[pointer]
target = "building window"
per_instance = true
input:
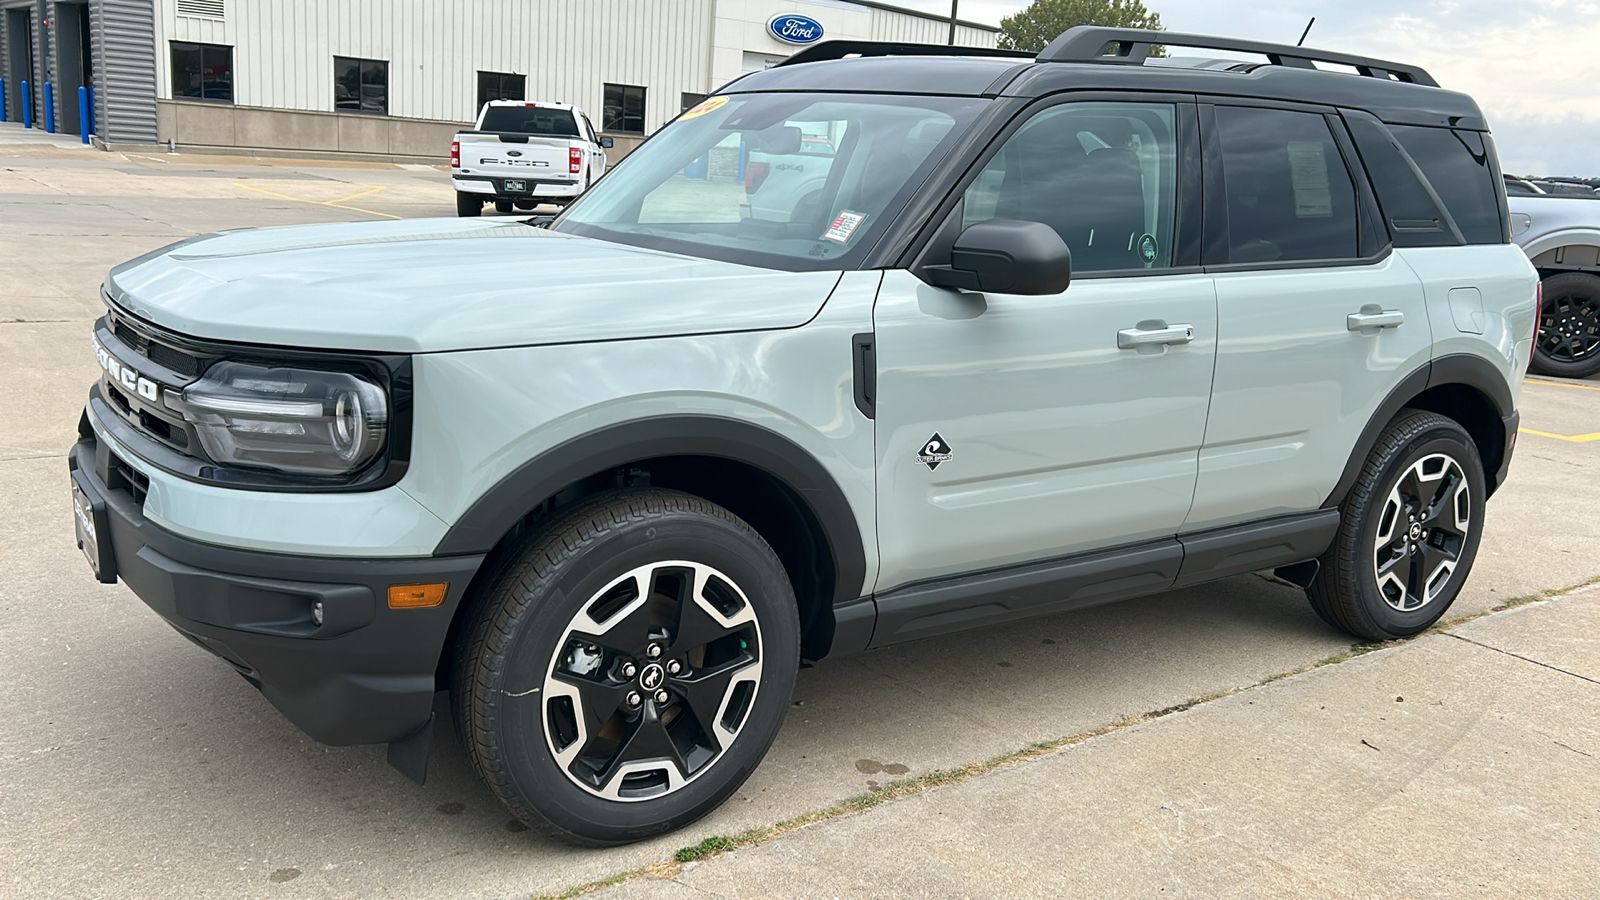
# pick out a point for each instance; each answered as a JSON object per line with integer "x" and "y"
{"x": 202, "y": 72}
{"x": 361, "y": 85}
{"x": 501, "y": 86}
{"x": 624, "y": 112}
{"x": 689, "y": 101}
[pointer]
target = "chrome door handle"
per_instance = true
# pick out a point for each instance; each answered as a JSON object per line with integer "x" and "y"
{"x": 1386, "y": 318}
{"x": 1131, "y": 338}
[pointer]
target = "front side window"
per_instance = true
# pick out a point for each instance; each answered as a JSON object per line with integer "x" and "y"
{"x": 202, "y": 72}
{"x": 361, "y": 85}
{"x": 1457, "y": 164}
{"x": 624, "y": 109}
{"x": 500, "y": 86}
{"x": 1103, "y": 175}
{"x": 789, "y": 181}
{"x": 1289, "y": 194}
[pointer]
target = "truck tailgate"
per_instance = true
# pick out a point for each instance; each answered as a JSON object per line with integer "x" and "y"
{"x": 514, "y": 155}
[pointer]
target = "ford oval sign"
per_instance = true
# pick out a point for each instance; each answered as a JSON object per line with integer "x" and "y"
{"x": 795, "y": 29}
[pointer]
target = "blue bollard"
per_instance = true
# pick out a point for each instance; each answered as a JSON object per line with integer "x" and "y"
{"x": 92, "y": 126}
{"x": 27, "y": 107}
{"x": 83, "y": 113}
{"x": 49, "y": 109}
{"x": 3, "y": 101}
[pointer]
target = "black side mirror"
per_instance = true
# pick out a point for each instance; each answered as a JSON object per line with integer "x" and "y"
{"x": 1006, "y": 256}
{"x": 606, "y": 142}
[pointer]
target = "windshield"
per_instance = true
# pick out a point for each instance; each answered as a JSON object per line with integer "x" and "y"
{"x": 530, "y": 120}
{"x": 786, "y": 181}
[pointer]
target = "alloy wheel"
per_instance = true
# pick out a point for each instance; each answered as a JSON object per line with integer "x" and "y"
{"x": 652, "y": 681}
{"x": 1569, "y": 327}
{"x": 1422, "y": 530}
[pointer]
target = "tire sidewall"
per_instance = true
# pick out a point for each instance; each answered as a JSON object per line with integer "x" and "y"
{"x": 1553, "y": 287}
{"x": 1440, "y": 438}
{"x": 535, "y": 629}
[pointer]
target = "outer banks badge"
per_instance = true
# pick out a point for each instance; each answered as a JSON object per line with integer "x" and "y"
{"x": 1148, "y": 248}
{"x": 934, "y": 451}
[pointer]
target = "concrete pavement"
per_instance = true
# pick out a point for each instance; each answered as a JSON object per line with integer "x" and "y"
{"x": 134, "y": 764}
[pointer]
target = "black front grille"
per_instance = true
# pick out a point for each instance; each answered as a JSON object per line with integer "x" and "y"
{"x": 157, "y": 352}
{"x": 126, "y": 478}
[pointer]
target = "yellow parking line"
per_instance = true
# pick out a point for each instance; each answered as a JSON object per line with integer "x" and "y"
{"x": 353, "y": 196}
{"x": 1573, "y": 438}
{"x": 337, "y": 204}
{"x": 1581, "y": 387}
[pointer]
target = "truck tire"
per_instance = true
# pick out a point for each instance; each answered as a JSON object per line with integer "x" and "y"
{"x": 1568, "y": 343}
{"x": 628, "y": 667}
{"x": 1408, "y": 534}
{"x": 468, "y": 205}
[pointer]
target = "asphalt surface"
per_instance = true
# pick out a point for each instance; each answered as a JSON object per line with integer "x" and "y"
{"x": 134, "y": 764}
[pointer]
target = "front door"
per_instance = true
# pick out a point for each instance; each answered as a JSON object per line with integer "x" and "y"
{"x": 1013, "y": 429}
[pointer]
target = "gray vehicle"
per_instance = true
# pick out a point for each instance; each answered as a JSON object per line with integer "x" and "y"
{"x": 1053, "y": 332}
{"x": 1561, "y": 234}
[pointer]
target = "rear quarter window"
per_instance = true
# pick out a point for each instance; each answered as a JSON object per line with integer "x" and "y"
{"x": 1459, "y": 166}
{"x": 1413, "y": 213}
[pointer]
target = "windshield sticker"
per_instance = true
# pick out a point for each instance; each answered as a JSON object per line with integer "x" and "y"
{"x": 934, "y": 452}
{"x": 708, "y": 105}
{"x": 1308, "y": 169}
{"x": 1148, "y": 249}
{"x": 844, "y": 226}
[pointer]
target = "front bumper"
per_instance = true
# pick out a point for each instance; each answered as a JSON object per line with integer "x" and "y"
{"x": 365, "y": 675}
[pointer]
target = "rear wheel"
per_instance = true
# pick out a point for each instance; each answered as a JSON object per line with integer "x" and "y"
{"x": 468, "y": 205}
{"x": 1409, "y": 531}
{"x": 1568, "y": 344}
{"x": 629, "y": 669}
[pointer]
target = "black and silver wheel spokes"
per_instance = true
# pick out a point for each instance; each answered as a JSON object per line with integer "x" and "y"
{"x": 1569, "y": 327}
{"x": 652, "y": 680}
{"x": 1422, "y": 530}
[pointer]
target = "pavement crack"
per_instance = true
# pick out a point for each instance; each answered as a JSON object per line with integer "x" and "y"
{"x": 1523, "y": 658}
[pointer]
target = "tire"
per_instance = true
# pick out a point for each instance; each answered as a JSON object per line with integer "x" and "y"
{"x": 1568, "y": 343}
{"x": 468, "y": 205}
{"x": 559, "y": 697}
{"x": 1423, "y": 462}
{"x": 503, "y": 206}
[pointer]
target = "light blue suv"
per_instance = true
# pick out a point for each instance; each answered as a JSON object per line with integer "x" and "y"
{"x": 609, "y": 479}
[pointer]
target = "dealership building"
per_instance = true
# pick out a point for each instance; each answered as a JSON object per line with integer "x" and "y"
{"x": 394, "y": 78}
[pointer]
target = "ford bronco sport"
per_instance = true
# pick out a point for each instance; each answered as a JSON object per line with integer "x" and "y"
{"x": 609, "y": 482}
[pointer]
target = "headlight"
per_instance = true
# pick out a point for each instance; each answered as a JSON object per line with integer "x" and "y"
{"x": 291, "y": 420}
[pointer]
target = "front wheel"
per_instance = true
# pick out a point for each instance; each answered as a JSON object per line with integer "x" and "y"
{"x": 468, "y": 205}
{"x": 629, "y": 668}
{"x": 1568, "y": 343}
{"x": 1409, "y": 531}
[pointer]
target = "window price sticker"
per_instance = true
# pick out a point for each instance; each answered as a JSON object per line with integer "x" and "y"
{"x": 844, "y": 226}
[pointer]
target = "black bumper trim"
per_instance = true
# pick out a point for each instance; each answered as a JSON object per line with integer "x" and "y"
{"x": 365, "y": 676}
{"x": 1511, "y": 424}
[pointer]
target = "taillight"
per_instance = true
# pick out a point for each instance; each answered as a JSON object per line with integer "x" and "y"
{"x": 575, "y": 160}
{"x": 754, "y": 174}
{"x": 455, "y": 154}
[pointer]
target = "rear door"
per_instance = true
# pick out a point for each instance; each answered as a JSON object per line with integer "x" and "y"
{"x": 1014, "y": 429}
{"x": 1317, "y": 319}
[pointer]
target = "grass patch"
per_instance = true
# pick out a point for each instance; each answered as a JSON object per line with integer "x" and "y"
{"x": 717, "y": 845}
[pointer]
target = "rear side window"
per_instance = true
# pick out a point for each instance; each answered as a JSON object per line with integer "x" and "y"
{"x": 1457, "y": 164}
{"x": 1414, "y": 216}
{"x": 1290, "y": 196}
{"x": 530, "y": 120}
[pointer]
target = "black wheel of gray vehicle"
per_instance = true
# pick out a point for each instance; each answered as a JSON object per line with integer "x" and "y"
{"x": 504, "y": 206}
{"x": 628, "y": 668}
{"x": 468, "y": 205}
{"x": 1568, "y": 342}
{"x": 1409, "y": 531}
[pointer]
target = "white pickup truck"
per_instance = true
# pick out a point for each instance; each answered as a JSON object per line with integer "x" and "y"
{"x": 523, "y": 153}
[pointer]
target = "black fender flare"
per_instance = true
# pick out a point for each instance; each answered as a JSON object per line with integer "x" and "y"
{"x": 492, "y": 515}
{"x": 1459, "y": 368}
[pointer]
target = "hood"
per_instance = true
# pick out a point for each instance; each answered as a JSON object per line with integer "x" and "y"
{"x": 430, "y": 285}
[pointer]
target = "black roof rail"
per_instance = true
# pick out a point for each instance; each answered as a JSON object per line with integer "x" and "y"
{"x": 841, "y": 49}
{"x": 1129, "y": 46}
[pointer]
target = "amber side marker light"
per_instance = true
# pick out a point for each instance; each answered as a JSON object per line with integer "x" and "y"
{"x": 417, "y": 596}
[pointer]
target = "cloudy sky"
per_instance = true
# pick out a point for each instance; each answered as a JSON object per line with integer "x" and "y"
{"x": 1533, "y": 65}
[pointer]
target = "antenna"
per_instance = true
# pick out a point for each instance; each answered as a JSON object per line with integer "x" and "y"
{"x": 1302, "y": 41}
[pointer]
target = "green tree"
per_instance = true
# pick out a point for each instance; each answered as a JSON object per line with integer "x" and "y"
{"x": 1044, "y": 20}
